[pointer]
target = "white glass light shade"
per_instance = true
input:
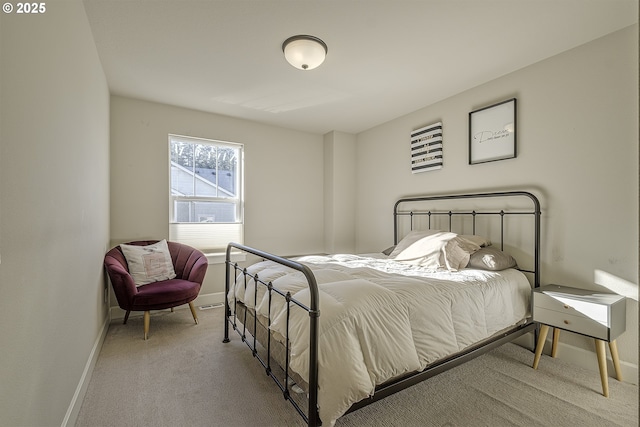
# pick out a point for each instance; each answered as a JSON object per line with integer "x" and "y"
{"x": 304, "y": 52}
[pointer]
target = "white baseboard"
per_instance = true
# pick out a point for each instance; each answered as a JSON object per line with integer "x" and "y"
{"x": 583, "y": 358}
{"x": 203, "y": 299}
{"x": 76, "y": 402}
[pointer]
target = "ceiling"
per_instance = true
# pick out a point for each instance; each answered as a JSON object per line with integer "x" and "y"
{"x": 386, "y": 58}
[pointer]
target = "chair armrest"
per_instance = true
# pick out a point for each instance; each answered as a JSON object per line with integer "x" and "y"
{"x": 122, "y": 282}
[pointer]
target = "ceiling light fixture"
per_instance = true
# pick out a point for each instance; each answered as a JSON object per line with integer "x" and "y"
{"x": 304, "y": 52}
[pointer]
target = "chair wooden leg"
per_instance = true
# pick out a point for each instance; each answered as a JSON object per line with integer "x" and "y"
{"x": 172, "y": 309}
{"x": 126, "y": 317}
{"x": 146, "y": 324}
{"x": 193, "y": 312}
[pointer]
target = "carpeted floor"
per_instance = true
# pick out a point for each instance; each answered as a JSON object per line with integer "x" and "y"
{"x": 185, "y": 376}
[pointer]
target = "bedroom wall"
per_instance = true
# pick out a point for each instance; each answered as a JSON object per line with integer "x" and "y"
{"x": 577, "y": 150}
{"x": 339, "y": 192}
{"x": 54, "y": 213}
{"x": 283, "y": 179}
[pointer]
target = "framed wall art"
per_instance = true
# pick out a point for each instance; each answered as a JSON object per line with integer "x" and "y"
{"x": 426, "y": 148}
{"x": 492, "y": 132}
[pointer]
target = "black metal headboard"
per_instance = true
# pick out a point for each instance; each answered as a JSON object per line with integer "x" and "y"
{"x": 421, "y": 207}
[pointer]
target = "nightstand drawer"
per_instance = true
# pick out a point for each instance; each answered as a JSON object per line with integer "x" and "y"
{"x": 573, "y": 307}
{"x": 580, "y": 324}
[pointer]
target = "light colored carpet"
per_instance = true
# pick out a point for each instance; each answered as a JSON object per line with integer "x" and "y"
{"x": 185, "y": 376}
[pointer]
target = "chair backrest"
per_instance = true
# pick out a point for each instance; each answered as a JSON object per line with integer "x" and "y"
{"x": 189, "y": 264}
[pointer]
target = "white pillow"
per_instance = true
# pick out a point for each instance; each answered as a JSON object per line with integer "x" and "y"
{"x": 148, "y": 264}
{"x": 434, "y": 249}
{"x": 422, "y": 248}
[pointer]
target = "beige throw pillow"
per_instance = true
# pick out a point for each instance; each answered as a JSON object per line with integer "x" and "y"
{"x": 148, "y": 264}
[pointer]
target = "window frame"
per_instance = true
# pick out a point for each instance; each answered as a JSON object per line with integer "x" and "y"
{"x": 226, "y": 228}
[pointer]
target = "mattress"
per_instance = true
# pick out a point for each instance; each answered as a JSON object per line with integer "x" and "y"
{"x": 380, "y": 318}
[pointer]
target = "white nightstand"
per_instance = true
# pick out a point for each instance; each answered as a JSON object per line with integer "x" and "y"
{"x": 601, "y": 316}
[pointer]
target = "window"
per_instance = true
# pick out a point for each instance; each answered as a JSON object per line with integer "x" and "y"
{"x": 205, "y": 200}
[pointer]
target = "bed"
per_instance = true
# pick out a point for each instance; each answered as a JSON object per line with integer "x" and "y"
{"x": 338, "y": 332}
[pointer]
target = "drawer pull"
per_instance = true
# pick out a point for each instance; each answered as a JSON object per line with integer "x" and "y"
{"x": 566, "y": 322}
{"x": 566, "y": 306}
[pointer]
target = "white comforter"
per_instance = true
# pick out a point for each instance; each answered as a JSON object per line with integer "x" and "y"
{"x": 380, "y": 318}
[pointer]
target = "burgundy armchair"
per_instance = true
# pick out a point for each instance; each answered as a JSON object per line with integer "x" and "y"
{"x": 190, "y": 266}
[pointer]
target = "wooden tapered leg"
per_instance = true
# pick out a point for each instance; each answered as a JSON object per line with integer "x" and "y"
{"x": 613, "y": 346}
{"x": 544, "y": 330}
{"x": 602, "y": 364}
{"x": 146, "y": 324}
{"x": 554, "y": 344}
{"x": 126, "y": 317}
{"x": 193, "y": 312}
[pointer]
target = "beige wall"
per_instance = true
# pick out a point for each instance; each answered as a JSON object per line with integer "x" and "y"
{"x": 283, "y": 178}
{"x": 339, "y": 192}
{"x": 54, "y": 212}
{"x": 577, "y": 150}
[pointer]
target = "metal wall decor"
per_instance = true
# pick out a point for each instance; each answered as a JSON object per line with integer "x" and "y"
{"x": 492, "y": 132}
{"x": 426, "y": 148}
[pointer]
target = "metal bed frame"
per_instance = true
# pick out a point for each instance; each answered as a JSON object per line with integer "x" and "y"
{"x": 311, "y": 416}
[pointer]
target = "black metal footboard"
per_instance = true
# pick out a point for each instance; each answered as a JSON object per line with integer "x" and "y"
{"x": 311, "y": 416}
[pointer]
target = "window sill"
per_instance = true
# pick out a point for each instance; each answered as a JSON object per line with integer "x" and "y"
{"x": 219, "y": 257}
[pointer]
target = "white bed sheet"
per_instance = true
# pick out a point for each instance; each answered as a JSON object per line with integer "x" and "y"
{"x": 380, "y": 318}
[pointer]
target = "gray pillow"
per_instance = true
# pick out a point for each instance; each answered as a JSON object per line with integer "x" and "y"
{"x": 491, "y": 259}
{"x": 388, "y": 251}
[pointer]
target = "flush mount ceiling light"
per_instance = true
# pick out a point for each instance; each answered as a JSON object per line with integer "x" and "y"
{"x": 304, "y": 52}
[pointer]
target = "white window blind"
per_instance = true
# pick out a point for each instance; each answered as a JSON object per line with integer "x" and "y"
{"x": 207, "y": 236}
